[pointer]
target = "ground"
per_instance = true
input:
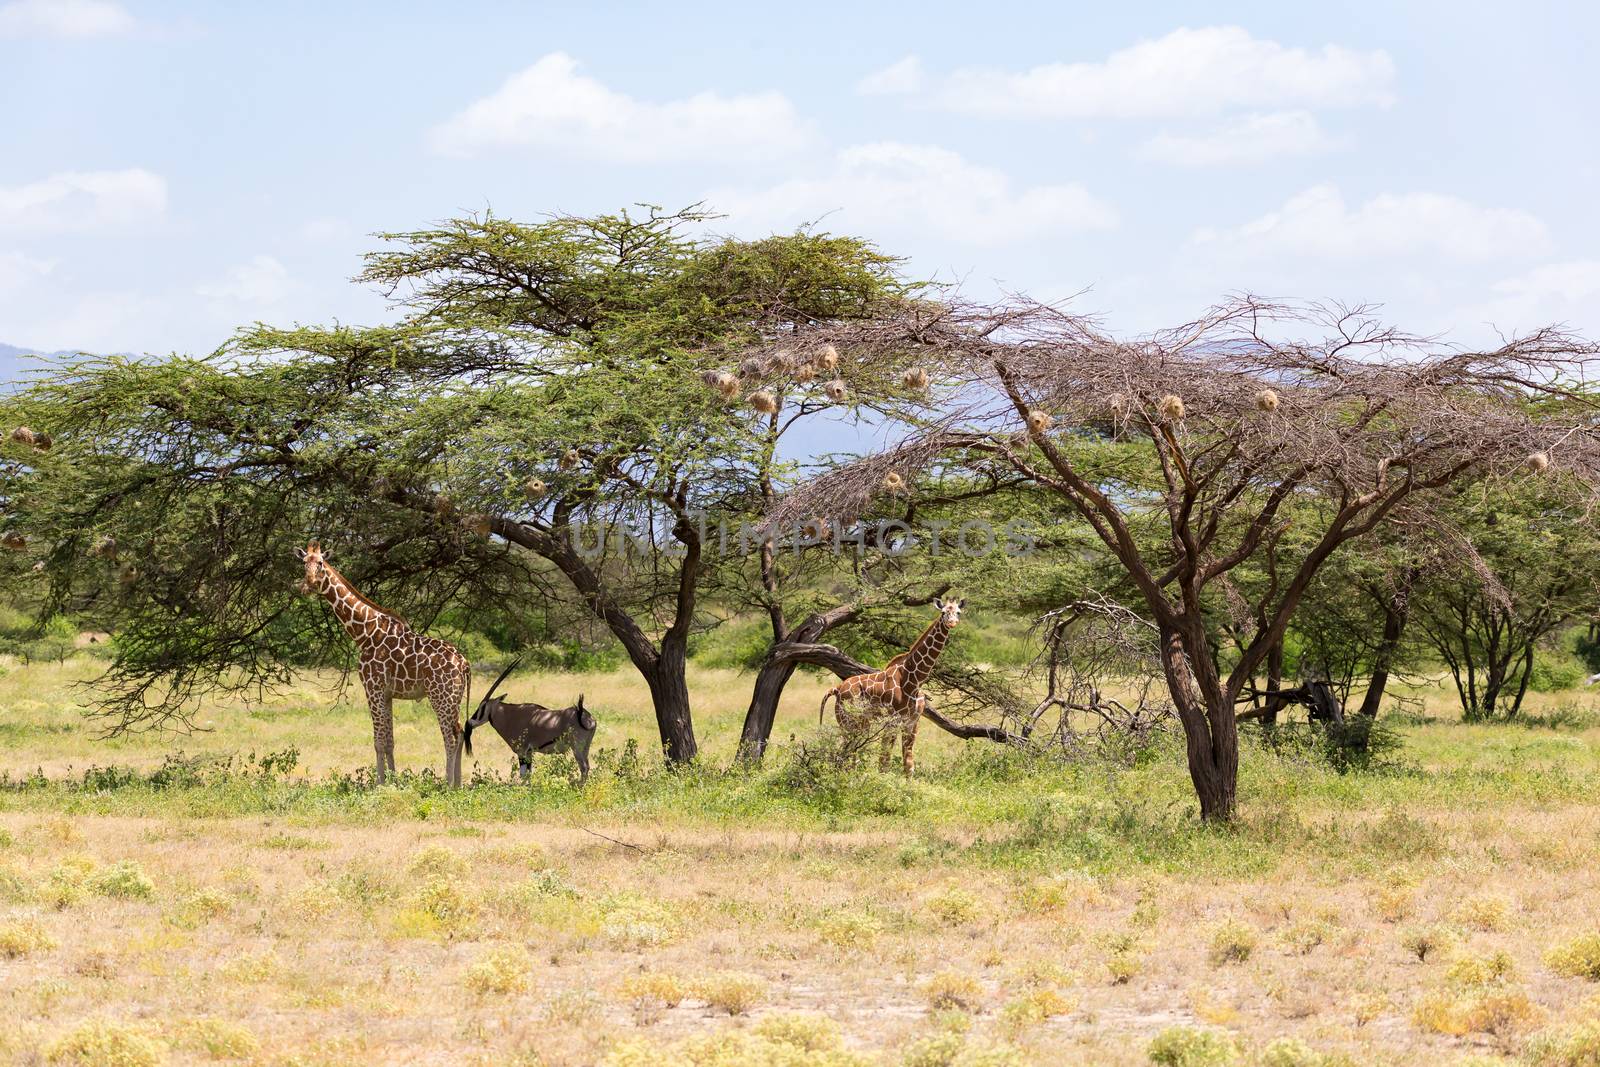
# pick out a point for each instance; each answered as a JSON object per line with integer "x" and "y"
{"x": 266, "y": 905}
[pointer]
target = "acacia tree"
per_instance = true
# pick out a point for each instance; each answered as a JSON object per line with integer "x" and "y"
{"x": 1241, "y": 418}
{"x": 1531, "y": 553}
{"x": 542, "y": 385}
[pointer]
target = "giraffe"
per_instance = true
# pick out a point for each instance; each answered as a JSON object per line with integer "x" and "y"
{"x": 894, "y": 694}
{"x": 396, "y": 663}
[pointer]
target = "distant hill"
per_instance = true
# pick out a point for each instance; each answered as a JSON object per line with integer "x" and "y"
{"x": 16, "y": 362}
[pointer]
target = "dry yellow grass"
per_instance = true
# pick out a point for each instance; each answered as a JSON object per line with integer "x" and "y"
{"x": 743, "y": 920}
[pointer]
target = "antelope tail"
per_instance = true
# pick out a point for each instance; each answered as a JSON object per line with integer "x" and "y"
{"x": 466, "y": 729}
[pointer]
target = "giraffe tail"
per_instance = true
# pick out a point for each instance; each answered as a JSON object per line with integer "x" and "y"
{"x": 466, "y": 730}
{"x": 834, "y": 693}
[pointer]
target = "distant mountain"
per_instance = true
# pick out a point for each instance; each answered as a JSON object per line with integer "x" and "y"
{"x": 16, "y": 363}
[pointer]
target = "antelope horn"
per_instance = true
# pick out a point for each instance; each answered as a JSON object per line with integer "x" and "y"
{"x": 496, "y": 684}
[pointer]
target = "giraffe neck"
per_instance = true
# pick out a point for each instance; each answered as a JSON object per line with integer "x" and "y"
{"x": 925, "y": 653}
{"x": 358, "y": 617}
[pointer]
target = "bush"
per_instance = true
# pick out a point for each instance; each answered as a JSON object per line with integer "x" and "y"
{"x": 1578, "y": 958}
{"x": 652, "y": 988}
{"x": 1488, "y": 911}
{"x": 219, "y": 1038}
{"x": 955, "y": 906}
{"x": 1034, "y": 1007}
{"x": 1572, "y": 1046}
{"x": 1493, "y": 1010}
{"x": 806, "y": 1031}
{"x": 1359, "y": 744}
{"x": 1232, "y": 942}
{"x": 25, "y": 936}
{"x": 731, "y": 991}
{"x": 630, "y": 921}
{"x": 952, "y": 991}
{"x": 102, "y": 1043}
{"x": 1186, "y": 1046}
{"x": 502, "y": 969}
{"x": 123, "y": 880}
{"x": 849, "y": 927}
{"x": 1289, "y": 1052}
{"x": 1423, "y": 942}
{"x": 1555, "y": 670}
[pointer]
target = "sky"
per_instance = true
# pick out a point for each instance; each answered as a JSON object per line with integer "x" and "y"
{"x": 170, "y": 171}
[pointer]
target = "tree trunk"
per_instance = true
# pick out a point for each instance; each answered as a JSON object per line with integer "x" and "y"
{"x": 1212, "y": 741}
{"x": 1394, "y": 625}
{"x": 1274, "y": 683}
{"x": 1522, "y": 686}
{"x": 669, "y": 692}
{"x": 771, "y": 679}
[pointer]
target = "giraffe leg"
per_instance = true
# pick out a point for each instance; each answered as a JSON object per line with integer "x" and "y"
{"x": 379, "y": 704}
{"x": 908, "y": 734}
{"x": 446, "y": 702}
{"x": 886, "y": 732}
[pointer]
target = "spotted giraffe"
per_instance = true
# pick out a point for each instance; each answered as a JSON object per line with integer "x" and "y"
{"x": 894, "y": 694}
{"x": 397, "y": 663}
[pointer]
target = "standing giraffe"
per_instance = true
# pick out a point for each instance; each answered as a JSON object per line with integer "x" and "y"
{"x": 894, "y": 694}
{"x": 397, "y": 663}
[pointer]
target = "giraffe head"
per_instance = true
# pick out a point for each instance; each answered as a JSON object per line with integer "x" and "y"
{"x": 950, "y": 611}
{"x": 317, "y": 577}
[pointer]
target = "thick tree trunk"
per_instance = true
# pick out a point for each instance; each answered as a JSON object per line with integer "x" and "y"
{"x": 771, "y": 679}
{"x": 669, "y": 692}
{"x": 1211, "y": 737}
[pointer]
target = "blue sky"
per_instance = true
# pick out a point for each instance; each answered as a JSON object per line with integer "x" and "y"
{"x": 169, "y": 171}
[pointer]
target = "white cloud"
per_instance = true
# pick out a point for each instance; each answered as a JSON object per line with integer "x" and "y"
{"x": 925, "y": 188}
{"x": 1318, "y": 224}
{"x": 552, "y": 106}
{"x": 84, "y": 201}
{"x": 1553, "y": 293}
{"x": 63, "y": 18}
{"x": 18, "y": 268}
{"x": 905, "y": 76}
{"x": 1245, "y": 140}
{"x": 1187, "y": 73}
{"x": 259, "y": 282}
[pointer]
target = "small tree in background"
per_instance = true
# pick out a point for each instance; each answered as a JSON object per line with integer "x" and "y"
{"x": 1525, "y": 570}
{"x": 1241, "y": 418}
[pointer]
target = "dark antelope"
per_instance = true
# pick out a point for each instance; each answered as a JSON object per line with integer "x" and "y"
{"x": 531, "y": 728}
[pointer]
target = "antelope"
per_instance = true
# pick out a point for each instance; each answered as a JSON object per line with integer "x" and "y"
{"x": 531, "y": 728}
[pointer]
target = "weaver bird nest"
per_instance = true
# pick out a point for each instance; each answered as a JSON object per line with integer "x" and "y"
{"x": 764, "y": 401}
{"x": 1039, "y": 421}
{"x": 534, "y": 488}
{"x": 1267, "y": 400}
{"x": 916, "y": 379}
{"x": 1171, "y": 407}
{"x": 836, "y": 390}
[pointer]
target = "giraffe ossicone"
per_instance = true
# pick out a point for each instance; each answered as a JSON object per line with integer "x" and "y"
{"x": 891, "y": 699}
{"x": 397, "y": 663}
